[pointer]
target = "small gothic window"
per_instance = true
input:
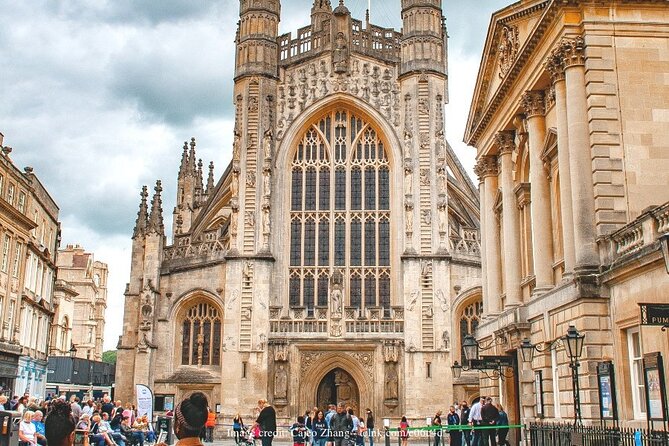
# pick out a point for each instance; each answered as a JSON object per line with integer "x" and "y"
{"x": 201, "y": 341}
{"x": 469, "y": 320}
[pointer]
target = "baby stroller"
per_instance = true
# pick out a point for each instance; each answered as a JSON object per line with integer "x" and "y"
{"x": 246, "y": 437}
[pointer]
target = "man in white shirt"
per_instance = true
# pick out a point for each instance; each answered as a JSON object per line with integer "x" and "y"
{"x": 475, "y": 420}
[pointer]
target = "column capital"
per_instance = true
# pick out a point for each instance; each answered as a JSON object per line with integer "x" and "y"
{"x": 486, "y": 167}
{"x": 534, "y": 103}
{"x": 506, "y": 140}
{"x": 572, "y": 51}
{"x": 554, "y": 64}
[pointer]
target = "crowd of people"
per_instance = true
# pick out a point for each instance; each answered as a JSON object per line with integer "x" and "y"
{"x": 105, "y": 422}
{"x": 65, "y": 418}
{"x": 484, "y": 424}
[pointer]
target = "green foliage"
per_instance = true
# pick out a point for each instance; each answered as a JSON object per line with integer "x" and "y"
{"x": 109, "y": 356}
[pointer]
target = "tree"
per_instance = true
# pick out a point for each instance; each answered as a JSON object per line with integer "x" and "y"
{"x": 109, "y": 356}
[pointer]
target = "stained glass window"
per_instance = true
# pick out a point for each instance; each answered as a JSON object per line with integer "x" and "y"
{"x": 201, "y": 336}
{"x": 340, "y": 202}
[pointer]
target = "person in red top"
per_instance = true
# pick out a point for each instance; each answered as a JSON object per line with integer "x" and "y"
{"x": 210, "y": 425}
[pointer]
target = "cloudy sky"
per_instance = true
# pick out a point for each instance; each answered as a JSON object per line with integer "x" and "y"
{"x": 99, "y": 95}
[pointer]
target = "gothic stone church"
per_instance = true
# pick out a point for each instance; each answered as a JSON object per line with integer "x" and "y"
{"x": 338, "y": 257}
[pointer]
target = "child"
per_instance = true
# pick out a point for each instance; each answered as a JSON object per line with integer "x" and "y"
{"x": 299, "y": 432}
{"x": 404, "y": 431}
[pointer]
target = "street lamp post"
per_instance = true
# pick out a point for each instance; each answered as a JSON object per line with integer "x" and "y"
{"x": 573, "y": 342}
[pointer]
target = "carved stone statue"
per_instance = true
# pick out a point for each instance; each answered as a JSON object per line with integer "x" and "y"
{"x": 408, "y": 178}
{"x": 265, "y": 220}
{"x": 234, "y": 184}
{"x": 442, "y": 211}
{"x": 234, "y": 217}
{"x": 267, "y": 144}
{"x": 336, "y": 293}
{"x": 408, "y": 212}
{"x": 392, "y": 382}
{"x": 446, "y": 338}
{"x": 340, "y": 56}
{"x": 442, "y": 180}
{"x": 408, "y": 144}
{"x": 281, "y": 383}
{"x": 248, "y": 271}
{"x": 267, "y": 177}
{"x": 236, "y": 146}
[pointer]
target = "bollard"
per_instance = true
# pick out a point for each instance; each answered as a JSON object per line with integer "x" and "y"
{"x": 387, "y": 435}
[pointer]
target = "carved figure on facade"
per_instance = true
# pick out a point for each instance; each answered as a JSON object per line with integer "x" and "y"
{"x": 236, "y": 146}
{"x": 281, "y": 384}
{"x": 246, "y": 313}
{"x": 250, "y": 219}
{"x": 247, "y": 271}
{"x": 443, "y": 302}
{"x": 335, "y": 330}
{"x": 442, "y": 213}
{"x": 508, "y": 49}
{"x": 391, "y": 351}
{"x": 340, "y": 54}
{"x": 234, "y": 219}
{"x": 426, "y": 217}
{"x": 250, "y": 179}
{"x": 408, "y": 213}
{"x": 408, "y": 144}
{"x": 280, "y": 351}
{"x": 446, "y": 340}
{"x": 267, "y": 144}
{"x": 391, "y": 381}
{"x": 266, "y": 181}
{"x": 266, "y": 225}
{"x": 234, "y": 183}
{"x": 442, "y": 178}
{"x": 413, "y": 298}
{"x": 336, "y": 294}
{"x": 425, "y": 177}
{"x": 408, "y": 177}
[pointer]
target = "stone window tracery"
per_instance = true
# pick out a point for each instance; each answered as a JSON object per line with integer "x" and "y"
{"x": 469, "y": 320}
{"x": 340, "y": 213}
{"x": 201, "y": 338}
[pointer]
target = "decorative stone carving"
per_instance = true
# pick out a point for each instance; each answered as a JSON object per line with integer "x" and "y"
{"x": 408, "y": 144}
{"x": 423, "y": 107}
{"x": 446, "y": 340}
{"x": 486, "y": 166}
{"x": 508, "y": 49}
{"x": 340, "y": 54}
{"x": 413, "y": 299}
{"x": 425, "y": 177}
{"x": 262, "y": 342}
{"x": 391, "y": 381}
{"x": 572, "y": 51}
{"x": 408, "y": 178}
{"x": 281, "y": 384}
{"x": 236, "y": 146}
{"x": 234, "y": 183}
{"x": 408, "y": 213}
{"x": 442, "y": 179}
{"x": 250, "y": 179}
{"x": 442, "y": 213}
{"x": 534, "y": 103}
{"x": 391, "y": 351}
{"x": 233, "y": 297}
{"x": 506, "y": 141}
{"x": 335, "y": 330}
{"x": 246, "y": 313}
{"x": 266, "y": 225}
{"x": 253, "y": 105}
{"x": 426, "y": 270}
{"x": 428, "y": 312}
{"x": 280, "y": 351}
{"x": 267, "y": 180}
{"x": 426, "y": 217}
{"x": 247, "y": 271}
{"x": 336, "y": 294}
{"x": 234, "y": 219}
{"x": 554, "y": 64}
{"x": 250, "y": 219}
{"x": 267, "y": 144}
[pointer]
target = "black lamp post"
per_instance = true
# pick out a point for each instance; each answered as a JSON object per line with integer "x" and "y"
{"x": 73, "y": 351}
{"x": 470, "y": 348}
{"x": 573, "y": 342}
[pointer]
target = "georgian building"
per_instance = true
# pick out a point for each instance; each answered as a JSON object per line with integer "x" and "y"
{"x": 81, "y": 290}
{"x": 569, "y": 119}
{"x": 337, "y": 255}
{"x": 29, "y": 233}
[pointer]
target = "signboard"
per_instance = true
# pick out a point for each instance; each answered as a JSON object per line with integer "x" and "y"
{"x": 607, "y": 391}
{"x": 491, "y": 362}
{"x": 655, "y": 314}
{"x": 539, "y": 392}
{"x": 653, "y": 370}
{"x": 144, "y": 401}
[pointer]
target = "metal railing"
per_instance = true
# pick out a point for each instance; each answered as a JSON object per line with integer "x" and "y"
{"x": 541, "y": 434}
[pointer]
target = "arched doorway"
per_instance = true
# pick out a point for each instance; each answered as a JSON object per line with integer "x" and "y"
{"x": 338, "y": 386}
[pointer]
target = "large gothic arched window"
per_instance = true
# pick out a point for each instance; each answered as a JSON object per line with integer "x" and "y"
{"x": 201, "y": 341}
{"x": 340, "y": 213}
{"x": 469, "y": 320}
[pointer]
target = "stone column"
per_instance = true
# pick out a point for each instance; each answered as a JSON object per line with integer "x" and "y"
{"x": 580, "y": 157}
{"x": 540, "y": 206}
{"x": 506, "y": 142}
{"x": 555, "y": 67}
{"x": 487, "y": 171}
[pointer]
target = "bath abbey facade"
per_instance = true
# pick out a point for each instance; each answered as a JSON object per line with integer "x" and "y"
{"x": 337, "y": 259}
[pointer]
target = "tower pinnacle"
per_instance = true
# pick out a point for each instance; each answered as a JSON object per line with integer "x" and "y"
{"x": 142, "y": 215}
{"x": 156, "y": 224}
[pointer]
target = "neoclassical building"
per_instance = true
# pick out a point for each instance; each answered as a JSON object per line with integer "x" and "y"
{"x": 338, "y": 253}
{"x": 570, "y": 126}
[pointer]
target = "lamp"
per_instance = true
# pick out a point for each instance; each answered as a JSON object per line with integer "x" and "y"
{"x": 456, "y": 369}
{"x": 574, "y": 341}
{"x": 470, "y": 348}
{"x": 73, "y": 351}
{"x": 664, "y": 246}
{"x": 527, "y": 350}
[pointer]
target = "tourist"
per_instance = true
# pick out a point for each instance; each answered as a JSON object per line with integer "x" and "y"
{"x": 27, "y": 430}
{"x": 453, "y": 419}
{"x": 475, "y": 421}
{"x": 355, "y": 431}
{"x": 59, "y": 425}
{"x": 39, "y": 427}
{"x": 21, "y": 404}
{"x": 332, "y": 410}
{"x": 13, "y": 402}
{"x": 210, "y": 425}
{"x": 131, "y": 436}
{"x": 404, "y": 431}
{"x": 190, "y": 416}
{"x": 107, "y": 406}
{"x": 502, "y": 432}
{"x": 89, "y": 408}
{"x": 299, "y": 432}
{"x": 436, "y": 422}
{"x": 237, "y": 427}
{"x": 489, "y": 417}
{"x": 97, "y": 433}
{"x": 341, "y": 425}
{"x": 76, "y": 408}
{"x": 3, "y": 403}
{"x": 464, "y": 421}
{"x": 370, "y": 426}
{"x": 308, "y": 418}
{"x": 105, "y": 427}
{"x": 266, "y": 421}
{"x": 320, "y": 429}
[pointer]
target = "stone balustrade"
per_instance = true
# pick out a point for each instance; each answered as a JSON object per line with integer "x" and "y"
{"x": 204, "y": 246}
{"x": 643, "y": 232}
{"x": 316, "y": 320}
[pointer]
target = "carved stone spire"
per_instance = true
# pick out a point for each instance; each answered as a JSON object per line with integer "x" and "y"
{"x": 156, "y": 224}
{"x": 210, "y": 179}
{"x": 142, "y": 215}
{"x": 192, "y": 159}
{"x": 184, "y": 161}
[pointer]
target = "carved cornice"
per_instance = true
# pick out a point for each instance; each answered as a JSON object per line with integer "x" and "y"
{"x": 486, "y": 167}
{"x": 523, "y": 194}
{"x": 534, "y": 103}
{"x": 506, "y": 141}
{"x": 573, "y": 51}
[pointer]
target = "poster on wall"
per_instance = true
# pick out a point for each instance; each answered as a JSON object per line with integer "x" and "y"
{"x": 607, "y": 391}
{"x": 656, "y": 397}
{"x": 607, "y": 399}
{"x": 144, "y": 401}
{"x": 539, "y": 393}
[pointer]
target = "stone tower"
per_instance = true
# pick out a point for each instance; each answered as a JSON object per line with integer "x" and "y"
{"x": 339, "y": 244}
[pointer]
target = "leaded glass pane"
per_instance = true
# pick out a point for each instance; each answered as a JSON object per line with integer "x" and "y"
{"x": 216, "y": 344}
{"x": 370, "y": 291}
{"x": 356, "y": 189}
{"x": 384, "y": 189}
{"x": 185, "y": 343}
{"x": 308, "y": 293}
{"x": 384, "y": 243}
{"x": 384, "y": 291}
{"x": 370, "y": 188}
{"x": 196, "y": 332}
{"x": 324, "y": 190}
{"x": 356, "y": 243}
{"x": 295, "y": 243}
{"x": 296, "y": 196}
{"x": 294, "y": 291}
{"x": 340, "y": 243}
{"x": 340, "y": 189}
{"x": 356, "y": 292}
{"x": 323, "y": 285}
{"x": 464, "y": 331}
{"x": 370, "y": 243}
{"x": 324, "y": 243}
{"x": 310, "y": 190}
{"x": 206, "y": 345}
{"x": 309, "y": 243}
